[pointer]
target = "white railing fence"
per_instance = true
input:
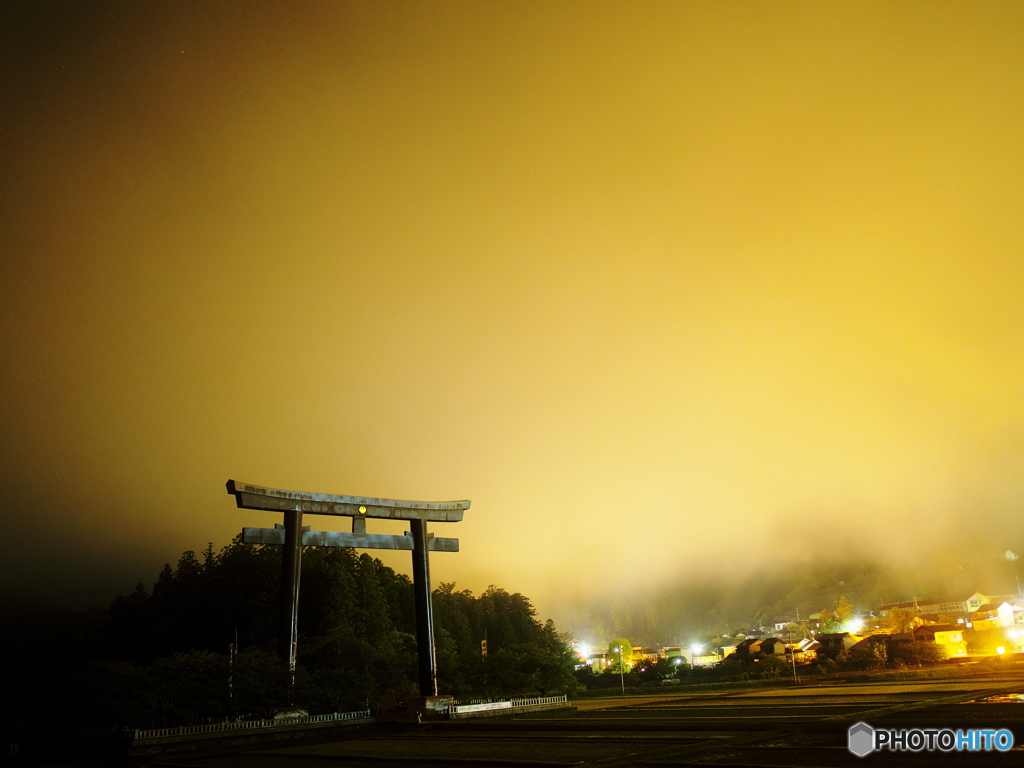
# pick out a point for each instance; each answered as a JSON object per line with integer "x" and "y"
{"x": 245, "y": 725}
{"x": 539, "y": 700}
{"x": 479, "y": 705}
{"x": 467, "y": 705}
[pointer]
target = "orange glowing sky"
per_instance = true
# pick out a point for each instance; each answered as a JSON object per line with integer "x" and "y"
{"x": 656, "y": 285}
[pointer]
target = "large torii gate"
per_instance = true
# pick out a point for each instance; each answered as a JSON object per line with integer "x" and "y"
{"x": 293, "y": 536}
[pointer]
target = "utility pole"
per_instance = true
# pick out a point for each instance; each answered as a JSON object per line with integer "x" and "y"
{"x": 792, "y": 656}
{"x": 622, "y": 675}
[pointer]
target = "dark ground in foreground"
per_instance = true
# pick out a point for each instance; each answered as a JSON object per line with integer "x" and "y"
{"x": 805, "y": 726}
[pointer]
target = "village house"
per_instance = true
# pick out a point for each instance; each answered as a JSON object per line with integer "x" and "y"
{"x": 772, "y": 646}
{"x": 805, "y": 650}
{"x": 747, "y": 649}
{"x": 949, "y": 637}
{"x": 834, "y": 643}
{"x": 993, "y": 615}
{"x": 953, "y": 607}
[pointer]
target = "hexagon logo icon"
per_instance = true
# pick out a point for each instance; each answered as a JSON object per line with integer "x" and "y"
{"x": 861, "y": 739}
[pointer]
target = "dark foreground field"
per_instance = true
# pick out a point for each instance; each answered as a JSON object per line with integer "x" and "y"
{"x": 805, "y": 726}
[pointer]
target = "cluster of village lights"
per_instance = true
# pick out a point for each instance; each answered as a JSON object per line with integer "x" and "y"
{"x": 583, "y": 653}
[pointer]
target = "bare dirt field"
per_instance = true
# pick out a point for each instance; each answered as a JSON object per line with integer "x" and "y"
{"x": 799, "y": 726}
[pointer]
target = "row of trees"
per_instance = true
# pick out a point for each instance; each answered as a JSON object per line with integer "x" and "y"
{"x": 200, "y": 645}
{"x": 879, "y": 656}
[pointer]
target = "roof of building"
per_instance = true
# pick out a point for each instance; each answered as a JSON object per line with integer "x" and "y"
{"x": 925, "y": 629}
{"x": 934, "y": 618}
{"x": 871, "y": 640}
{"x": 988, "y": 608}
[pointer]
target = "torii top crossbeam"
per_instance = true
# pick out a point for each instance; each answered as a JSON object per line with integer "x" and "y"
{"x": 250, "y": 496}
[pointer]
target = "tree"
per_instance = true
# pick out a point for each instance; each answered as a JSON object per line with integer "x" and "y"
{"x": 837, "y": 620}
{"x": 828, "y": 621}
{"x": 189, "y": 687}
{"x": 620, "y": 650}
{"x": 772, "y": 666}
{"x": 916, "y": 654}
{"x": 826, "y": 667}
{"x": 662, "y": 669}
{"x": 873, "y": 656}
{"x": 508, "y": 619}
{"x": 899, "y": 619}
{"x": 844, "y": 613}
{"x": 340, "y": 671}
{"x": 530, "y": 669}
{"x": 259, "y": 684}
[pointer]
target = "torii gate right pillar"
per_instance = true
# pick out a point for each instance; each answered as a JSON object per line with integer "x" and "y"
{"x": 291, "y": 570}
{"x": 424, "y": 609}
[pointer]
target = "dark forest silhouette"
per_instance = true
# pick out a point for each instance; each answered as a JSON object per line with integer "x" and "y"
{"x": 169, "y": 657}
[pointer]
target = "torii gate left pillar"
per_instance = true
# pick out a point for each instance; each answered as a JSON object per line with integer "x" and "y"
{"x": 293, "y": 536}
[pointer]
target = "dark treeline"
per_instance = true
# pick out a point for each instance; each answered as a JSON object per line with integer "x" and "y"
{"x": 200, "y": 645}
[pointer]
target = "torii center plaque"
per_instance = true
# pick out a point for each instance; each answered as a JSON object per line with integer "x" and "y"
{"x": 292, "y": 536}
